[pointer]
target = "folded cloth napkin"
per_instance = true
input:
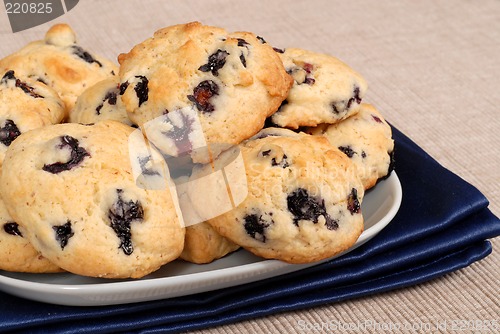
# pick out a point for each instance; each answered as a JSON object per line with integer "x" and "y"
{"x": 442, "y": 225}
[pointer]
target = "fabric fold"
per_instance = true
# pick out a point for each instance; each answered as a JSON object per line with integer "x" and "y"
{"x": 443, "y": 225}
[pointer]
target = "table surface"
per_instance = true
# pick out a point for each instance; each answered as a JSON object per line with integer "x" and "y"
{"x": 433, "y": 71}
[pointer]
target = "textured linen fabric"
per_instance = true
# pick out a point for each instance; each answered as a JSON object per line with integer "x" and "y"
{"x": 432, "y": 69}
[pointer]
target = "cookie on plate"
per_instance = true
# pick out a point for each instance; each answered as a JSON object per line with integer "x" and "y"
{"x": 61, "y": 63}
{"x": 366, "y": 138}
{"x": 303, "y": 202}
{"x": 72, "y": 189}
{"x": 16, "y": 252}
{"x": 202, "y": 243}
{"x": 100, "y": 102}
{"x": 325, "y": 90}
{"x": 25, "y": 105}
{"x": 231, "y": 82}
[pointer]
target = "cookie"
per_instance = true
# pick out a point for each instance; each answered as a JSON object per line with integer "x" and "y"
{"x": 303, "y": 202}
{"x": 366, "y": 138}
{"x": 61, "y": 63}
{"x": 16, "y": 252}
{"x": 25, "y": 105}
{"x": 202, "y": 243}
{"x": 230, "y": 81}
{"x": 325, "y": 90}
{"x": 100, "y": 102}
{"x": 72, "y": 188}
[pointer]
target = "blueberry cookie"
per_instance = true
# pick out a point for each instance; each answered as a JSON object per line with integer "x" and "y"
{"x": 366, "y": 139}
{"x": 303, "y": 203}
{"x": 72, "y": 189}
{"x": 61, "y": 63}
{"x": 325, "y": 90}
{"x": 100, "y": 102}
{"x": 202, "y": 243}
{"x": 16, "y": 252}
{"x": 232, "y": 82}
{"x": 25, "y": 105}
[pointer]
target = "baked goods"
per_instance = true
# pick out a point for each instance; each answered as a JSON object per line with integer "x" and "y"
{"x": 59, "y": 62}
{"x": 95, "y": 196}
{"x": 203, "y": 244}
{"x": 325, "y": 90}
{"x": 228, "y": 79}
{"x": 366, "y": 139}
{"x": 16, "y": 252}
{"x": 25, "y": 105}
{"x": 70, "y": 186}
{"x": 303, "y": 204}
{"x": 100, "y": 102}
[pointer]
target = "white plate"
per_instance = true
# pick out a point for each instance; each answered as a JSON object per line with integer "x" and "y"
{"x": 180, "y": 278}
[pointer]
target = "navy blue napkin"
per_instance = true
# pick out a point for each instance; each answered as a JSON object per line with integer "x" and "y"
{"x": 443, "y": 225}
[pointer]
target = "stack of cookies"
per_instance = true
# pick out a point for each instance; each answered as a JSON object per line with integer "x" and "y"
{"x": 200, "y": 142}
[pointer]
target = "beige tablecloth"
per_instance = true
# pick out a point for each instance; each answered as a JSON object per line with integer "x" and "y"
{"x": 433, "y": 70}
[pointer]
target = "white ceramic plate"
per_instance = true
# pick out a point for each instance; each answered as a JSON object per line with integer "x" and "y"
{"x": 180, "y": 278}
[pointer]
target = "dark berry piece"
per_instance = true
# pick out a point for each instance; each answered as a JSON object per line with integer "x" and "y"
{"x": 331, "y": 223}
{"x": 63, "y": 233}
{"x": 255, "y": 226}
{"x": 305, "y": 207}
{"x": 98, "y": 109}
{"x": 376, "y": 119}
{"x": 347, "y": 150}
{"x": 243, "y": 60}
{"x": 9, "y": 75}
{"x": 335, "y": 108}
{"x": 266, "y": 153}
{"x": 339, "y": 107}
{"x": 310, "y": 81}
{"x": 111, "y": 97}
{"x": 262, "y": 40}
{"x": 141, "y": 89}
{"x": 242, "y": 42}
{"x": 9, "y": 132}
{"x": 180, "y": 134}
{"x": 279, "y": 50}
{"x": 215, "y": 62}
{"x": 81, "y": 53}
{"x": 283, "y": 163}
{"x": 27, "y": 89}
{"x": 12, "y": 229}
{"x": 123, "y": 87}
{"x": 363, "y": 154}
{"x": 298, "y": 74}
{"x": 121, "y": 215}
{"x": 202, "y": 94}
{"x": 353, "y": 204}
{"x": 355, "y": 97}
{"x": 77, "y": 155}
{"x": 308, "y": 67}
